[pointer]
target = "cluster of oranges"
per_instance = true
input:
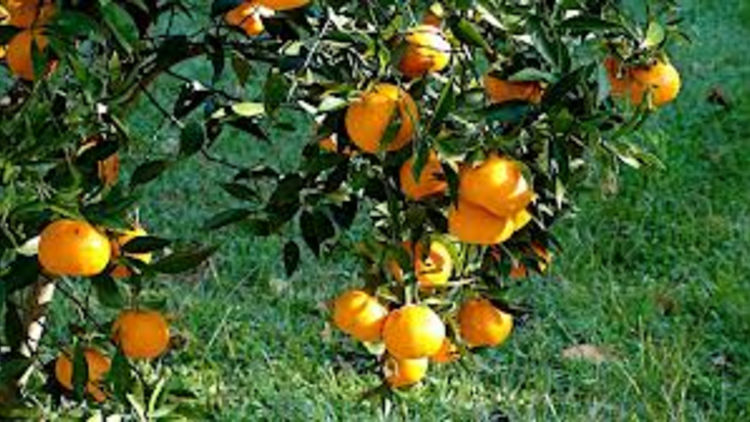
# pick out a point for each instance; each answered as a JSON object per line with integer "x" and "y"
{"x": 414, "y": 334}
{"x": 249, "y": 15}
{"x": 76, "y": 248}
{"x": 31, "y": 17}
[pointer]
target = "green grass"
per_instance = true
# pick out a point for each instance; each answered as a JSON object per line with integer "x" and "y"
{"x": 657, "y": 274}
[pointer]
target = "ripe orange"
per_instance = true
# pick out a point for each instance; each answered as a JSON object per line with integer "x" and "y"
{"x": 19, "y": 55}
{"x": 496, "y": 185}
{"x": 359, "y": 315}
{"x": 448, "y": 353}
{"x": 98, "y": 366}
{"x": 248, "y": 17}
{"x": 404, "y": 372}
{"x": 413, "y": 332}
{"x": 74, "y": 248}
{"x": 426, "y": 51}
{"x": 436, "y": 268}
{"x": 368, "y": 118}
{"x": 482, "y": 324}
{"x": 661, "y": 79}
{"x": 122, "y": 271}
{"x": 26, "y": 13}
{"x": 283, "y": 4}
{"x": 500, "y": 91}
{"x": 141, "y": 334}
{"x": 431, "y": 179}
{"x": 473, "y": 224}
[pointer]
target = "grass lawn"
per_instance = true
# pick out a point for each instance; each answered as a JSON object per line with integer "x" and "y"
{"x": 655, "y": 275}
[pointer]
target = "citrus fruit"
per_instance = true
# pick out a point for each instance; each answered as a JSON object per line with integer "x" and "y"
{"x": 413, "y": 332}
{"x": 73, "y": 248}
{"x": 661, "y": 79}
{"x": 496, "y": 185}
{"x": 27, "y": 13}
{"x": 448, "y": 353}
{"x": 19, "y": 53}
{"x": 521, "y": 219}
{"x": 501, "y": 91}
{"x": 98, "y": 366}
{"x": 431, "y": 179}
{"x": 404, "y": 372}
{"x": 426, "y": 51}
{"x": 248, "y": 16}
{"x": 120, "y": 270}
{"x": 472, "y": 224}
{"x": 368, "y": 118}
{"x": 283, "y": 4}
{"x": 434, "y": 268}
{"x": 359, "y": 315}
{"x": 141, "y": 334}
{"x": 482, "y": 324}
{"x": 434, "y": 15}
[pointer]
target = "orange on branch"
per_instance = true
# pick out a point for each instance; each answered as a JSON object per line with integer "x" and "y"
{"x": 120, "y": 270}
{"x": 661, "y": 80}
{"x": 19, "y": 52}
{"x": 473, "y": 224}
{"x": 27, "y": 13}
{"x": 413, "y": 332}
{"x": 497, "y": 185}
{"x": 369, "y": 117}
{"x": 448, "y": 353}
{"x": 426, "y": 50}
{"x": 501, "y": 91}
{"x": 435, "y": 268}
{"x": 404, "y": 372}
{"x": 248, "y": 16}
{"x": 73, "y": 248}
{"x": 431, "y": 179}
{"x": 482, "y": 324}
{"x": 360, "y": 315}
{"x": 97, "y": 364}
{"x": 280, "y": 5}
{"x": 141, "y": 334}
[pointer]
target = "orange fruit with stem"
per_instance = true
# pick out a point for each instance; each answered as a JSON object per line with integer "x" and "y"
{"x": 404, "y": 372}
{"x": 661, "y": 80}
{"x": 360, "y": 315}
{"x": 501, "y": 91}
{"x": 141, "y": 334}
{"x": 473, "y": 224}
{"x": 431, "y": 179}
{"x": 97, "y": 364}
{"x": 448, "y": 353}
{"x": 426, "y": 51}
{"x": 497, "y": 185}
{"x": 120, "y": 270}
{"x": 73, "y": 248}
{"x": 482, "y": 324}
{"x": 19, "y": 52}
{"x": 376, "y": 113}
{"x": 413, "y": 332}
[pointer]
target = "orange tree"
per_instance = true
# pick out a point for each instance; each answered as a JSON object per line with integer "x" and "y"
{"x": 459, "y": 128}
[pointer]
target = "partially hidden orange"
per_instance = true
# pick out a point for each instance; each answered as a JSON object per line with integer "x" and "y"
{"x": 19, "y": 52}
{"x": 448, "y": 353}
{"x": 426, "y": 50}
{"x": 405, "y": 372}
{"x": 369, "y": 118}
{"x": 501, "y": 91}
{"x": 497, "y": 185}
{"x": 431, "y": 179}
{"x": 473, "y": 224}
{"x": 120, "y": 270}
{"x": 98, "y": 366}
{"x": 482, "y": 324}
{"x": 360, "y": 315}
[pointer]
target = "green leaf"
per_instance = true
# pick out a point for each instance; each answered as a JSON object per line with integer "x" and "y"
{"x": 248, "y": 109}
{"x": 100, "y": 151}
{"x": 241, "y": 68}
{"x": 291, "y": 257}
{"x": 121, "y": 24}
{"x": 445, "y": 105}
{"x": 145, "y": 244}
{"x": 148, "y": 171}
{"x": 192, "y": 138}
{"x": 14, "y": 330}
{"x": 655, "y": 35}
{"x": 468, "y": 33}
{"x": 510, "y": 112}
{"x": 240, "y": 191}
{"x": 183, "y": 261}
{"x": 590, "y": 24}
{"x": 316, "y": 229}
{"x": 21, "y": 273}
{"x": 108, "y": 291}
{"x": 119, "y": 375}
{"x": 80, "y": 372}
{"x": 7, "y": 33}
{"x": 225, "y": 218}
{"x": 275, "y": 91}
{"x": 531, "y": 74}
{"x": 220, "y": 7}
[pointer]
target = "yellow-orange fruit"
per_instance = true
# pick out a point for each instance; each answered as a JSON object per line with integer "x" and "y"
{"x": 405, "y": 372}
{"x": 482, "y": 324}
{"x": 435, "y": 268}
{"x": 280, "y": 5}
{"x": 431, "y": 179}
{"x": 98, "y": 366}
{"x": 141, "y": 334}
{"x": 413, "y": 332}
{"x": 496, "y": 185}
{"x": 369, "y": 117}
{"x": 426, "y": 51}
{"x": 661, "y": 79}
{"x": 73, "y": 248}
{"x": 248, "y": 17}
{"x": 448, "y": 353}
{"x": 472, "y": 224}
{"x": 360, "y": 315}
{"x": 120, "y": 270}
{"x": 27, "y": 13}
{"x": 521, "y": 219}
{"x": 19, "y": 52}
{"x": 501, "y": 91}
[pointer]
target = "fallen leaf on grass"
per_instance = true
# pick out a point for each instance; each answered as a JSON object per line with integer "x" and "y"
{"x": 588, "y": 352}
